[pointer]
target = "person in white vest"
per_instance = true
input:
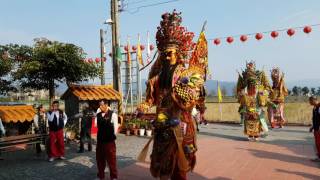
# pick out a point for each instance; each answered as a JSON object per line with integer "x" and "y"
{"x": 57, "y": 120}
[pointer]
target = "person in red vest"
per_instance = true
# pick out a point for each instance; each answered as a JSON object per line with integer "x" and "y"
{"x": 107, "y": 122}
{"x": 57, "y": 119}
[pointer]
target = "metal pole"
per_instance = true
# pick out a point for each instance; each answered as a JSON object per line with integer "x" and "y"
{"x": 115, "y": 44}
{"x": 130, "y": 83}
{"x": 138, "y": 82}
{"x": 102, "y": 78}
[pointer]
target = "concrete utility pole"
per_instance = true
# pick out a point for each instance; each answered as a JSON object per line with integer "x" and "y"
{"x": 102, "y": 77}
{"x": 115, "y": 44}
{"x": 139, "y": 89}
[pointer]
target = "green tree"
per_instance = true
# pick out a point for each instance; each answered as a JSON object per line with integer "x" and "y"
{"x": 296, "y": 91}
{"x": 313, "y": 91}
{"x": 289, "y": 92}
{"x": 305, "y": 90}
{"x": 11, "y": 56}
{"x": 318, "y": 91}
{"x": 52, "y": 62}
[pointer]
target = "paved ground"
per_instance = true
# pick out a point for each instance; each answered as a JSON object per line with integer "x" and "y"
{"x": 224, "y": 153}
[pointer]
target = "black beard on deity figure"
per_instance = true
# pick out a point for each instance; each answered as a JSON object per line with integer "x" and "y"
{"x": 166, "y": 74}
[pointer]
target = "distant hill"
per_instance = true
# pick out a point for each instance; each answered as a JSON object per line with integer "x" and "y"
{"x": 211, "y": 85}
{"x": 304, "y": 82}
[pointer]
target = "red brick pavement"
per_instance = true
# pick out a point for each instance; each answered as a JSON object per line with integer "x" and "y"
{"x": 223, "y": 159}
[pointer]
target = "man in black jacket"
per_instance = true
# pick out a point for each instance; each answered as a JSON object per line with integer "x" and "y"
{"x": 86, "y": 123}
{"x": 40, "y": 124}
{"x": 106, "y": 148}
{"x": 315, "y": 124}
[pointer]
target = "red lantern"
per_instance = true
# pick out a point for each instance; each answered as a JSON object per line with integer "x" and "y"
{"x": 151, "y": 47}
{"x": 259, "y": 36}
{"x": 97, "y": 60}
{"x": 110, "y": 54}
{"x": 290, "y": 32}
{"x": 90, "y": 60}
{"x": 126, "y": 48}
{"x": 307, "y": 29}
{"x": 142, "y": 47}
{"x": 216, "y": 41}
{"x": 274, "y": 34}
{"x": 229, "y": 40}
{"x": 243, "y": 38}
{"x": 134, "y": 48}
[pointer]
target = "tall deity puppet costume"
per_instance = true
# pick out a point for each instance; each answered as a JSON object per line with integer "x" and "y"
{"x": 252, "y": 92}
{"x": 277, "y": 96}
{"x": 175, "y": 88}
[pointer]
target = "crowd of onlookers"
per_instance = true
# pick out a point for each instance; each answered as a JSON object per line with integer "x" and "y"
{"x": 53, "y": 121}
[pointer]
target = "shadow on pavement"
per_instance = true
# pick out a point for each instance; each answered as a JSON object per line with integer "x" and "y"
{"x": 291, "y": 130}
{"x": 298, "y": 144}
{"x": 236, "y": 138}
{"x": 302, "y": 174}
{"x": 26, "y": 165}
{"x": 141, "y": 172}
{"x": 282, "y": 157}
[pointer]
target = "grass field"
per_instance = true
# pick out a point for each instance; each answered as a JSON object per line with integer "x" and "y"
{"x": 295, "y": 113}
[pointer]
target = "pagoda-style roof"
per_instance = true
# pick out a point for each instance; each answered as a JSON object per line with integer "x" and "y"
{"x": 92, "y": 92}
{"x": 17, "y": 113}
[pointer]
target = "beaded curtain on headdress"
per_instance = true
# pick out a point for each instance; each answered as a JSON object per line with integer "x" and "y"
{"x": 171, "y": 33}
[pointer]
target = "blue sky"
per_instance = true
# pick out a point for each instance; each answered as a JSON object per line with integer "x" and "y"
{"x": 79, "y": 21}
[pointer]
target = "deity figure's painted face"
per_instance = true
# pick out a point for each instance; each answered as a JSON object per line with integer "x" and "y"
{"x": 275, "y": 74}
{"x": 171, "y": 55}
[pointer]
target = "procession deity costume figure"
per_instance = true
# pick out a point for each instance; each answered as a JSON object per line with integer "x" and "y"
{"x": 175, "y": 88}
{"x": 277, "y": 97}
{"x": 252, "y": 93}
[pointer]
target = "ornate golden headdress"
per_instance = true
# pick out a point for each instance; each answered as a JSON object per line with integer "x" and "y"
{"x": 171, "y": 34}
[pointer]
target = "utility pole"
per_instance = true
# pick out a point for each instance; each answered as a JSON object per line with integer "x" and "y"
{"x": 102, "y": 77}
{"x": 115, "y": 45}
{"x": 139, "y": 90}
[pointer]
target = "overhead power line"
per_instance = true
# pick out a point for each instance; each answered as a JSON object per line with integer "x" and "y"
{"x": 136, "y": 9}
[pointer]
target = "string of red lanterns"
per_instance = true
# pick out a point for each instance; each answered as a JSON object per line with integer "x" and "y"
{"x": 96, "y": 60}
{"x": 258, "y": 36}
{"x": 142, "y": 47}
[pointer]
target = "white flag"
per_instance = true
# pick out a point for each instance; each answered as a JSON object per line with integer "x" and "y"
{"x": 148, "y": 49}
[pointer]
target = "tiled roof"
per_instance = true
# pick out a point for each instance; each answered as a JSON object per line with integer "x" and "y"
{"x": 17, "y": 113}
{"x": 92, "y": 92}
